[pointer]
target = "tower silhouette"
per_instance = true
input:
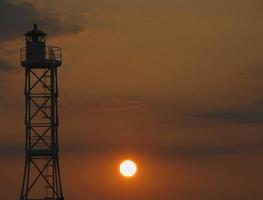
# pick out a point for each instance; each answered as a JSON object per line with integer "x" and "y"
{"x": 41, "y": 178}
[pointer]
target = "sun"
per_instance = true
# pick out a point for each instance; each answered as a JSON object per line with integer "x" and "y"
{"x": 128, "y": 168}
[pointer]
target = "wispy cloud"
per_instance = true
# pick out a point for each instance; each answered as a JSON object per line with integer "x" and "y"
{"x": 5, "y": 66}
{"x": 157, "y": 150}
{"x": 108, "y": 104}
{"x": 238, "y": 117}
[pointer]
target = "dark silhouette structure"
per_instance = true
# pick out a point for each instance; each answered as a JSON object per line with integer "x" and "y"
{"x": 41, "y": 173}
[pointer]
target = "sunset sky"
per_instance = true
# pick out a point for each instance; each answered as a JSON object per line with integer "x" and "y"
{"x": 175, "y": 85}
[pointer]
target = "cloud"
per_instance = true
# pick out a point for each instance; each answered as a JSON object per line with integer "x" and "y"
{"x": 238, "y": 117}
{"x": 7, "y": 150}
{"x": 5, "y": 66}
{"x": 169, "y": 151}
{"x": 211, "y": 150}
{"x": 16, "y": 18}
{"x": 163, "y": 151}
{"x": 120, "y": 104}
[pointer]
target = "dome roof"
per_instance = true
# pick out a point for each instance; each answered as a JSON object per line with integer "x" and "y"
{"x": 35, "y": 32}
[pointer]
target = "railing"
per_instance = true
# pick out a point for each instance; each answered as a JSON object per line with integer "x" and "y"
{"x": 52, "y": 54}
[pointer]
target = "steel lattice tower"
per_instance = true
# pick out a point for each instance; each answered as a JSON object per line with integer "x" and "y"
{"x": 41, "y": 173}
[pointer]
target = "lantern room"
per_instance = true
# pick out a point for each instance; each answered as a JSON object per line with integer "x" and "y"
{"x": 36, "y": 54}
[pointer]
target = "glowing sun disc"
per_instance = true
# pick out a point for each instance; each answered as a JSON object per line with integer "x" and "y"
{"x": 128, "y": 168}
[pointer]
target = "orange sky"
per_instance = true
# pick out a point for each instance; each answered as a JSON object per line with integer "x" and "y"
{"x": 176, "y": 85}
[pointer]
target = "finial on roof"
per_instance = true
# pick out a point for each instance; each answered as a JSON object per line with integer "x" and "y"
{"x": 35, "y": 32}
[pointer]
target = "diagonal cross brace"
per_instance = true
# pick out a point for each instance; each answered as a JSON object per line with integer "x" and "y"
{"x": 40, "y": 137}
{"x": 40, "y": 108}
{"x": 40, "y": 175}
{"x": 39, "y": 79}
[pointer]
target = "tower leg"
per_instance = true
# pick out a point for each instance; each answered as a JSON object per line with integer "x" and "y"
{"x": 41, "y": 173}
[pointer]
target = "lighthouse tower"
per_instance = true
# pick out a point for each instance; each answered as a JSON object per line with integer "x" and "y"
{"x": 41, "y": 180}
